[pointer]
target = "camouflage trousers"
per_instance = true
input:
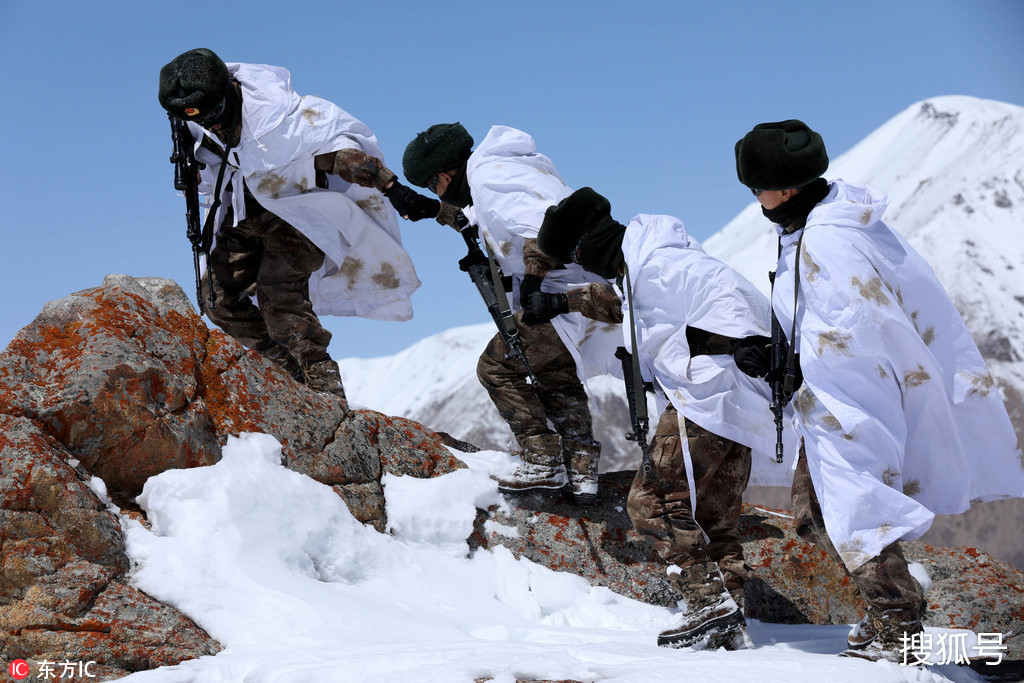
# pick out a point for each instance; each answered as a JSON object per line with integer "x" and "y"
{"x": 557, "y": 406}
{"x": 266, "y": 257}
{"x": 884, "y": 581}
{"x": 659, "y": 500}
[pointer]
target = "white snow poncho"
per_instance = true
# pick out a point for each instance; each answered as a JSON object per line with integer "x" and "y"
{"x": 676, "y": 284}
{"x": 512, "y": 186}
{"x": 899, "y": 415}
{"x": 366, "y": 271}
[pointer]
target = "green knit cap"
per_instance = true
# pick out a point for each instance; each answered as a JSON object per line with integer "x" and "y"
{"x": 438, "y": 148}
{"x": 193, "y": 84}
{"x": 780, "y": 156}
{"x": 568, "y": 220}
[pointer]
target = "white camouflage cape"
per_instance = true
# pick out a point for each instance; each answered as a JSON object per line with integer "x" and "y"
{"x": 512, "y": 185}
{"x": 367, "y": 272}
{"x": 900, "y": 417}
{"x": 676, "y": 284}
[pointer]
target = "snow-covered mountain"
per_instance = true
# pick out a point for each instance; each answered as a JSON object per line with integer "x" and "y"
{"x": 953, "y": 168}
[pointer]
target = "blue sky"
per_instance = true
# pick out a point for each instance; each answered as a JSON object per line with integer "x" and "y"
{"x": 642, "y": 101}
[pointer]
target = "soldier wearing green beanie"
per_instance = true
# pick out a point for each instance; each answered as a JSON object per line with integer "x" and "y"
{"x": 503, "y": 188}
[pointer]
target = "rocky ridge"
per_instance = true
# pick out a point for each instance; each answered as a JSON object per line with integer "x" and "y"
{"x": 114, "y": 384}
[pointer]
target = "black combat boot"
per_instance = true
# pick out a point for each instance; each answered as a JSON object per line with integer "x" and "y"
{"x": 712, "y": 618}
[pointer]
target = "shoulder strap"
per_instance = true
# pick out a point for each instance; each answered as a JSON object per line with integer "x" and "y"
{"x": 639, "y": 395}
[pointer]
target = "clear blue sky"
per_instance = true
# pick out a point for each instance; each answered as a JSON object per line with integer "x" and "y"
{"x": 641, "y": 100}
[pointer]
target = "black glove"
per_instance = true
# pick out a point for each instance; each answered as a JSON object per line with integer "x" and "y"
{"x": 410, "y": 204}
{"x": 529, "y": 285}
{"x": 753, "y": 355}
{"x": 543, "y": 306}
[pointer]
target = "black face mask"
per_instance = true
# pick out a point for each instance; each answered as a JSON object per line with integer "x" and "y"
{"x": 458, "y": 192}
{"x": 600, "y": 250}
{"x": 792, "y": 215}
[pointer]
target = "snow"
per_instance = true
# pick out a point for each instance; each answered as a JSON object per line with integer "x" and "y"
{"x": 272, "y": 564}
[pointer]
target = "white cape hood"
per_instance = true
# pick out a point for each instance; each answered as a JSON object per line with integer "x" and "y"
{"x": 899, "y": 414}
{"x": 367, "y": 272}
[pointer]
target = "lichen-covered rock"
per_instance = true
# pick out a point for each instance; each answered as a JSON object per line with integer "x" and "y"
{"x": 61, "y": 559}
{"x": 122, "y": 382}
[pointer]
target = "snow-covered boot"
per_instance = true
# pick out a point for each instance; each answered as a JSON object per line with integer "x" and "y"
{"x": 712, "y": 618}
{"x": 581, "y": 460}
{"x": 325, "y": 377}
{"x": 885, "y": 635}
{"x": 541, "y": 470}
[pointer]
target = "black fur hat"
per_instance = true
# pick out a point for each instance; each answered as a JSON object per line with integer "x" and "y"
{"x": 780, "y": 156}
{"x": 193, "y": 85}
{"x": 568, "y": 220}
{"x": 438, "y": 148}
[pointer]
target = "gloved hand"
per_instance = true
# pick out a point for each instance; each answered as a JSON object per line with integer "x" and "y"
{"x": 451, "y": 215}
{"x": 410, "y": 204}
{"x": 753, "y": 355}
{"x": 543, "y": 306}
{"x": 527, "y": 286}
{"x": 358, "y": 167}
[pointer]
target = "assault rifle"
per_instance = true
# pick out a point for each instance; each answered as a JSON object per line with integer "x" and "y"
{"x": 483, "y": 273}
{"x": 780, "y": 395}
{"x": 636, "y": 397}
{"x": 186, "y": 181}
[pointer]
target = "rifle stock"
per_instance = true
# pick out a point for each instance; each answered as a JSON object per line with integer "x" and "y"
{"x": 186, "y": 181}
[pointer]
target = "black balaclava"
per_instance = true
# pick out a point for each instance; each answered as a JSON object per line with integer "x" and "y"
{"x": 792, "y": 215}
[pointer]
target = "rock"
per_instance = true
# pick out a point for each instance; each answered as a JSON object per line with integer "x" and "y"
{"x": 61, "y": 562}
{"x": 122, "y": 382}
{"x": 795, "y": 582}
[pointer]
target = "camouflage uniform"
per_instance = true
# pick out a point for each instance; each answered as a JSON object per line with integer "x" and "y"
{"x": 884, "y": 581}
{"x": 559, "y": 397}
{"x": 659, "y": 500}
{"x": 266, "y": 257}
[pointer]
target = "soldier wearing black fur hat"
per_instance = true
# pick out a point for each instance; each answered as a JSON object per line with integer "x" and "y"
{"x": 299, "y": 225}
{"x": 503, "y": 187}
{"x": 688, "y": 310}
{"x": 894, "y": 411}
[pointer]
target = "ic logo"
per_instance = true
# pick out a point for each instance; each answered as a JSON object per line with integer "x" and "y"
{"x": 19, "y": 669}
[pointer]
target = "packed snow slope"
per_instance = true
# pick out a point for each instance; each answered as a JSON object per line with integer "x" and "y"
{"x": 272, "y": 564}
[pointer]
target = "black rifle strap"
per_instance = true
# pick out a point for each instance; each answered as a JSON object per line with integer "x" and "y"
{"x": 499, "y": 290}
{"x": 639, "y": 396}
{"x": 211, "y": 214}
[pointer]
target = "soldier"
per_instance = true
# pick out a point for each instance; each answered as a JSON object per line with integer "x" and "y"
{"x": 688, "y": 310}
{"x": 300, "y": 224}
{"x": 897, "y": 413}
{"x": 503, "y": 188}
